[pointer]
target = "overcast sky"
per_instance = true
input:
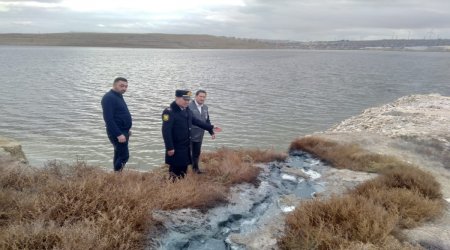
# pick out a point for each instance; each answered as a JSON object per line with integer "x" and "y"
{"x": 301, "y": 20}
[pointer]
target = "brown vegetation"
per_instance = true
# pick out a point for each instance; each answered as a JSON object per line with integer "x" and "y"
{"x": 402, "y": 196}
{"x": 414, "y": 194}
{"x": 83, "y": 207}
{"x": 337, "y": 222}
{"x": 348, "y": 156}
{"x": 232, "y": 166}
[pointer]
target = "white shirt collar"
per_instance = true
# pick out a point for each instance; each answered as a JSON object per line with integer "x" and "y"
{"x": 199, "y": 107}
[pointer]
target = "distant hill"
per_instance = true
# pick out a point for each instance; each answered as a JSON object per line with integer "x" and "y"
{"x": 174, "y": 41}
{"x": 393, "y": 44}
{"x": 171, "y": 41}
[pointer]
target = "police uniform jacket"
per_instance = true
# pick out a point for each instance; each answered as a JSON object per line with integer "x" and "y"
{"x": 197, "y": 132}
{"x": 176, "y": 131}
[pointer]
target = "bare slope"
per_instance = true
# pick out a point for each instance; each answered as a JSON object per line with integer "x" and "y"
{"x": 171, "y": 41}
{"x": 415, "y": 129}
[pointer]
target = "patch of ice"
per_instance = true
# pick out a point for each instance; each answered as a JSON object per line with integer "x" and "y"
{"x": 312, "y": 174}
{"x": 314, "y": 162}
{"x": 287, "y": 209}
{"x": 288, "y": 177}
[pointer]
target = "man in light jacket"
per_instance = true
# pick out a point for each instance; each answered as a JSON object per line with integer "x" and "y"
{"x": 200, "y": 111}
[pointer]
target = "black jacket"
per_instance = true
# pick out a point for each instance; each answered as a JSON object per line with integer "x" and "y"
{"x": 116, "y": 114}
{"x": 176, "y": 132}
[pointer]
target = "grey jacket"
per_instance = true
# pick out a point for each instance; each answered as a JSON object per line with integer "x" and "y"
{"x": 196, "y": 132}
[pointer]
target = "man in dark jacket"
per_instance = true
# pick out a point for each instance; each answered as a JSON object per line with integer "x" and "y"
{"x": 118, "y": 121}
{"x": 200, "y": 111}
{"x": 176, "y": 132}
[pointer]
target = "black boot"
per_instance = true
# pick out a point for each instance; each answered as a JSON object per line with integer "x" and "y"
{"x": 195, "y": 166}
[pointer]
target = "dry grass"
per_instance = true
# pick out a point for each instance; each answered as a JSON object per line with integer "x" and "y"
{"x": 413, "y": 193}
{"x": 402, "y": 196}
{"x": 407, "y": 176}
{"x": 83, "y": 207}
{"x": 247, "y": 155}
{"x": 194, "y": 192}
{"x": 336, "y": 223}
{"x": 233, "y": 166}
{"x": 348, "y": 156}
{"x": 71, "y": 206}
{"x": 261, "y": 155}
{"x": 411, "y": 206}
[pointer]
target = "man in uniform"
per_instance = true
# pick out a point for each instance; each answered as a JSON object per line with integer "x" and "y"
{"x": 118, "y": 121}
{"x": 200, "y": 111}
{"x": 176, "y": 132}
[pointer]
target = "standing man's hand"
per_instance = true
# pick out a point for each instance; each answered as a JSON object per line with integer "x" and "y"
{"x": 217, "y": 129}
{"x": 171, "y": 152}
{"x": 213, "y": 136}
{"x": 121, "y": 138}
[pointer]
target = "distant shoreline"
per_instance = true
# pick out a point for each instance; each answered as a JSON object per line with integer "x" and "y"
{"x": 123, "y": 40}
{"x": 188, "y": 41}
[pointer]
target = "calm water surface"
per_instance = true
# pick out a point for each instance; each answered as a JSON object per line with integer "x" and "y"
{"x": 50, "y": 96}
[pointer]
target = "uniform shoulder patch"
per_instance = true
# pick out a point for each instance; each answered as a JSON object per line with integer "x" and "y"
{"x": 165, "y": 117}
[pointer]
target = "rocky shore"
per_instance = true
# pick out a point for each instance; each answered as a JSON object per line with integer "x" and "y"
{"x": 12, "y": 149}
{"x": 11, "y": 153}
{"x": 415, "y": 129}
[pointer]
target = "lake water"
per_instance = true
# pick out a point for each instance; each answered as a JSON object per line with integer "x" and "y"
{"x": 50, "y": 96}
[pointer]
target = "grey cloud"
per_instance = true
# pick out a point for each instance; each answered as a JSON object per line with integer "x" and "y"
{"x": 267, "y": 19}
{"x": 40, "y": 1}
{"x": 364, "y": 17}
{"x": 43, "y": 20}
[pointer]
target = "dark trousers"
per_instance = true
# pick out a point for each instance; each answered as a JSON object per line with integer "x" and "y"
{"x": 121, "y": 153}
{"x": 196, "y": 150}
{"x": 177, "y": 171}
